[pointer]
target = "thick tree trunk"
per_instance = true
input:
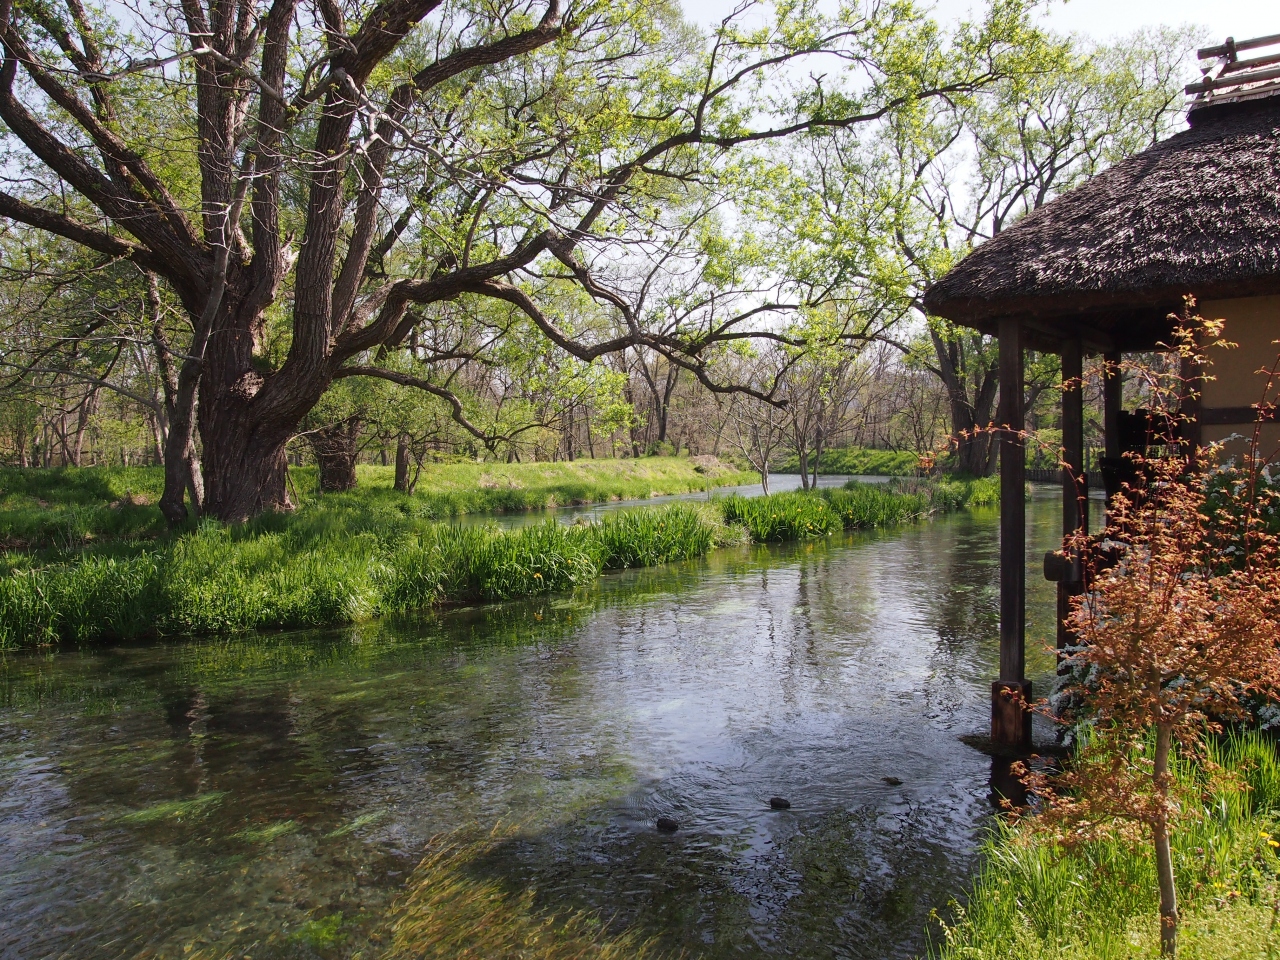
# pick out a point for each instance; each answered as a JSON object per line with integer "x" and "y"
{"x": 245, "y": 470}
{"x": 246, "y": 418}
{"x": 970, "y": 415}
{"x": 973, "y": 452}
{"x": 336, "y": 448}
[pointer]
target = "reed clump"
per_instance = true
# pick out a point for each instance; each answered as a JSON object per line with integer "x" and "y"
{"x": 1036, "y": 899}
{"x": 855, "y": 506}
{"x": 783, "y": 516}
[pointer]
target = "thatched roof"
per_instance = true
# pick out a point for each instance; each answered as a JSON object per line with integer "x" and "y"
{"x": 1197, "y": 213}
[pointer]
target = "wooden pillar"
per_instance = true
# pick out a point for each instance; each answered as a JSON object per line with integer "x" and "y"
{"x": 1011, "y": 694}
{"x": 1075, "y": 486}
{"x": 1112, "y": 401}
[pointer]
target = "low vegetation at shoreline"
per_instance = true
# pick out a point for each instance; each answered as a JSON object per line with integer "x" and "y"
{"x": 353, "y": 556}
{"x": 1035, "y": 900}
{"x": 64, "y": 507}
{"x": 800, "y": 516}
{"x": 858, "y": 461}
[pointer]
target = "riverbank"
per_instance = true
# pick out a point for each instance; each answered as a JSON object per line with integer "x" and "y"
{"x": 354, "y": 556}
{"x": 67, "y": 507}
{"x": 1034, "y": 900}
{"x": 859, "y": 461}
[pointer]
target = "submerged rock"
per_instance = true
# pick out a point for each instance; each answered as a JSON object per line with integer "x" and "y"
{"x": 780, "y": 803}
{"x": 668, "y": 824}
{"x": 892, "y": 781}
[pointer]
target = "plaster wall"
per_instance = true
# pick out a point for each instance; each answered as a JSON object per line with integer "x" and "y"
{"x": 1253, "y": 323}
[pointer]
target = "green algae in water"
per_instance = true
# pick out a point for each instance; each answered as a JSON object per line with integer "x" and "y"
{"x": 359, "y": 823}
{"x": 268, "y": 833}
{"x": 175, "y": 809}
{"x": 322, "y": 933}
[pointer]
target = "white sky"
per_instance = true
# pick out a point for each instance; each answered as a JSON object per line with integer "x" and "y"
{"x": 1100, "y": 19}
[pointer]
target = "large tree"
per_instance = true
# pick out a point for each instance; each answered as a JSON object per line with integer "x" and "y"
{"x": 341, "y": 168}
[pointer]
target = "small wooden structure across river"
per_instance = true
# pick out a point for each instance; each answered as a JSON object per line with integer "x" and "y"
{"x": 1099, "y": 270}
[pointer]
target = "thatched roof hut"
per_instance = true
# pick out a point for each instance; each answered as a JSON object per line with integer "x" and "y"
{"x": 1197, "y": 213}
{"x": 1100, "y": 269}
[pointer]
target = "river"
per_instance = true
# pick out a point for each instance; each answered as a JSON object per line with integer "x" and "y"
{"x": 212, "y": 798}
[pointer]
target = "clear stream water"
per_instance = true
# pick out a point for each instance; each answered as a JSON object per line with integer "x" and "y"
{"x": 213, "y": 798}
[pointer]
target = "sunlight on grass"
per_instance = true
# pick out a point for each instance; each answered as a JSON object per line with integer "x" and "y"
{"x": 1098, "y": 901}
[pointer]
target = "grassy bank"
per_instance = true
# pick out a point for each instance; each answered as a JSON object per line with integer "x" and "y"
{"x": 1034, "y": 901}
{"x": 357, "y": 555}
{"x": 69, "y": 507}
{"x": 858, "y": 461}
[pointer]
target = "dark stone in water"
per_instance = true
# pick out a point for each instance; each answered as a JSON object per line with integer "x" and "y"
{"x": 780, "y": 803}
{"x": 892, "y": 781}
{"x": 668, "y": 824}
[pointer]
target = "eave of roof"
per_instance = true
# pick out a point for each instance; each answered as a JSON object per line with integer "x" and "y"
{"x": 1198, "y": 213}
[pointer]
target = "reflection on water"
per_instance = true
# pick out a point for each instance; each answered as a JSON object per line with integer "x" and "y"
{"x": 220, "y": 795}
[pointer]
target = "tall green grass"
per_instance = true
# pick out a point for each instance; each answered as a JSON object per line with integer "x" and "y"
{"x": 782, "y": 516}
{"x": 1034, "y": 900}
{"x": 855, "y": 506}
{"x": 364, "y": 554}
{"x": 323, "y": 570}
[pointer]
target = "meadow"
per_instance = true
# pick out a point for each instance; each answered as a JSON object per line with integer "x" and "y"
{"x": 366, "y": 553}
{"x": 65, "y": 507}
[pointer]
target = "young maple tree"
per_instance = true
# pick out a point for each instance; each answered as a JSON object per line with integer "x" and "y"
{"x": 1178, "y": 632}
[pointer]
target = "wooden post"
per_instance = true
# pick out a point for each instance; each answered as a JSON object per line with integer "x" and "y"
{"x": 1075, "y": 486}
{"x": 1112, "y": 394}
{"x": 1112, "y": 401}
{"x": 1011, "y": 694}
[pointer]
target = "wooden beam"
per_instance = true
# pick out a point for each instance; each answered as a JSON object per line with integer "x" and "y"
{"x": 1112, "y": 401}
{"x": 1231, "y": 416}
{"x": 1233, "y": 45}
{"x": 1011, "y": 694}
